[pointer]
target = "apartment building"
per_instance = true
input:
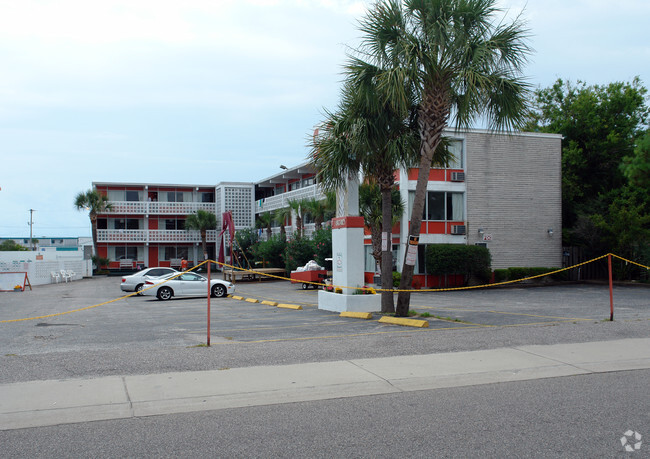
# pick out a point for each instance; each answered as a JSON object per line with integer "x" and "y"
{"x": 502, "y": 191}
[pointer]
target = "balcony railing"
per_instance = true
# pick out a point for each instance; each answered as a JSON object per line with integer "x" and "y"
{"x": 143, "y": 236}
{"x": 280, "y": 201}
{"x": 159, "y": 208}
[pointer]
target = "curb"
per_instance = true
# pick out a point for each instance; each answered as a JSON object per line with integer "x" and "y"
{"x": 289, "y": 306}
{"x": 270, "y": 303}
{"x": 404, "y": 322}
{"x": 237, "y": 297}
{"x": 356, "y": 315}
{"x": 252, "y": 300}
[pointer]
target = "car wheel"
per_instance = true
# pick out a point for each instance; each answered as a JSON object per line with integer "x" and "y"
{"x": 138, "y": 288}
{"x": 165, "y": 293}
{"x": 219, "y": 291}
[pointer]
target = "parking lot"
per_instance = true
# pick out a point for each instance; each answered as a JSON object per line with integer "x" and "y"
{"x": 183, "y": 321}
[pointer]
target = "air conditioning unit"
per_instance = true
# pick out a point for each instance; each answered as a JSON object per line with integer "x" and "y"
{"x": 458, "y": 176}
{"x": 458, "y": 229}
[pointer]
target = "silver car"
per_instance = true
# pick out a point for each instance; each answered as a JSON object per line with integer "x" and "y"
{"x": 134, "y": 282}
{"x": 187, "y": 284}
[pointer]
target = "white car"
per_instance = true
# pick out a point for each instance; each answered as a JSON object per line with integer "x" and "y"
{"x": 135, "y": 282}
{"x": 187, "y": 284}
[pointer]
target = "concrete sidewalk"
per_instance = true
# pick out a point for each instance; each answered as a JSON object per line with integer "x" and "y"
{"x": 42, "y": 403}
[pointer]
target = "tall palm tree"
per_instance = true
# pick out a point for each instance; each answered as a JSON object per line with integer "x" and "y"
{"x": 202, "y": 221}
{"x": 366, "y": 135}
{"x": 457, "y": 61}
{"x": 299, "y": 207}
{"x": 95, "y": 203}
{"x": 370, "y": 207}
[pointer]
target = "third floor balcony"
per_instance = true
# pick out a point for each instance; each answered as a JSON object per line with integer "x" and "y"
{"x": 280, "y": 201}
{"x": 154, "y": 236}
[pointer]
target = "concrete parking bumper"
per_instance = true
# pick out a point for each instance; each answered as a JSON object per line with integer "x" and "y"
{"x": 42, "y": 403}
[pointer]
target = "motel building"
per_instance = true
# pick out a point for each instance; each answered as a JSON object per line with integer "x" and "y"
{"x": 502, "y": 191}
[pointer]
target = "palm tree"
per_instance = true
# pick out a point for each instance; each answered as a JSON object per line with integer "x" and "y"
{"x": 370, "y": 207}
{"x": 265, "y": 221}
{"x": 318, "y": 210}
{"x": 202, "y": 221}
{"x": 457, "y": 62}
{"x": 299, "y": 207}
{"x": 368, "y": 135}
{"x": 95, "y": 203}
{"x": 280, "y": 216}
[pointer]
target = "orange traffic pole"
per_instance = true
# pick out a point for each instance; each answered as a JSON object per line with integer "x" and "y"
{"x": 209, "y": 293}
{"x": 611, "y": 288}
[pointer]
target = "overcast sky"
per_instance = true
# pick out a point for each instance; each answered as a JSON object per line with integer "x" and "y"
{"x": 204, "y": 91}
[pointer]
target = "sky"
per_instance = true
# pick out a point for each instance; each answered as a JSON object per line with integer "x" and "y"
{"x": 205, "y": 91}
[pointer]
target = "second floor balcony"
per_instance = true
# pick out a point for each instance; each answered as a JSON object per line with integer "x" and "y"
{"x": 280, "y": 201}
{"x": 159, "y": 207}
{"x": 153, "y": 236}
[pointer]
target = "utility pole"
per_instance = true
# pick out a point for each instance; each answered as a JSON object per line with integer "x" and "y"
{"x": 31, "y": 224}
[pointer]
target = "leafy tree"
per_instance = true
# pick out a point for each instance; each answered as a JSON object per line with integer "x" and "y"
{"x": 201, "y": 221}
{"x": 281, "y": 216}
{"x": 636, "y": 167}
{"x": 599, "y": 125}
{"x": 95, "y": 203}
{"x": 445, "y": 61}
{"x": 11, "y": 246}
{"x": 298, "y": 251}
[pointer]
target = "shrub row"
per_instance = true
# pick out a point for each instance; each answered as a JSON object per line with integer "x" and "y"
{"x": 508, "y": 274}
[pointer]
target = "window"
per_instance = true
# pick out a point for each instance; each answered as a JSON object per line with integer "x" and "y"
{"x": 207, "y": 197}
{"x": 132, "y": 195}
{"x": 126, "y": 253}
{"x": 102, "y": 223}
{"x": 173, "y": 224}
{"x": 119, "y": 223}
{"x": 456, "y": 149}
{"x": 308, "y": 182}
{"x": 441, "y": 206}
{"x": 294, "y": 186}
{"x": 132, "y": 223}
{"x": 169, "y": 253}
{"x": 116, "y": 195}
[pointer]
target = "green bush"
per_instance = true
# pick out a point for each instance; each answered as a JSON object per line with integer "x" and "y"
{"x": 323, "y": 247}
{"x": 397, "y": 277}
{"x": 459, "y": 259}
{"x": 500, "y": 275}
{"x": 514, "y": 273}
{"x": 270, "y": 253}
{"x": 298, "y": 252}
{"x": 246, "y": 239}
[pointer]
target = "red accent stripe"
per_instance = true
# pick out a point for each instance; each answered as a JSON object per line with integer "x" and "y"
{"x": 347, "y": 222}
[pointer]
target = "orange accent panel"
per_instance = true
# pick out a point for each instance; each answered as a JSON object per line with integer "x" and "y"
{"x": 436, "y": 228}
{"x": 437, "y": 175}
{"x": 153, "y": 256}
{"x": 153, "y": 223}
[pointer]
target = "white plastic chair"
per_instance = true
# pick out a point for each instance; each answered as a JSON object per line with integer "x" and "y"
{"x": 56, "y": 277}
{"x": 64, "y": 275}
{"x": 71, "y": 273}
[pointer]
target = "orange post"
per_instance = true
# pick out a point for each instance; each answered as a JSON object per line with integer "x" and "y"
{"x": 209, "y": 293}
{"x": 611, "y": 288}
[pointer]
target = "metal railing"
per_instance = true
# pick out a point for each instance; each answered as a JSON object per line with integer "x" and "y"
{"x": 282, "y": 200}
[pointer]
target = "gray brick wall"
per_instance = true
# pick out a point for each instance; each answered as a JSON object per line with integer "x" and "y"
{"x": 514, "y": 194}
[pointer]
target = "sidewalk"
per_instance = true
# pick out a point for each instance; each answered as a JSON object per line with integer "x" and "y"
{"x": 42, "y": 403}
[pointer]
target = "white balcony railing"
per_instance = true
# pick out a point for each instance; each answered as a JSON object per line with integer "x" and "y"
{"x": 145, "y": 236}
{"x": 159, "y": 208}
{"x": 280, "y": 201}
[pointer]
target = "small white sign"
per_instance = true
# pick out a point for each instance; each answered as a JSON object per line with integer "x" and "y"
{"x": 487, "y": 237}
{"x": 411, "y": 255}
{"x": 384, "y": 241}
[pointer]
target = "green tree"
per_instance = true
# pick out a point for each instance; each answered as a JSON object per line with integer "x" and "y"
{"x": 636, "y": 167}
{"x": 270, "y": 252}
{"x": 246, "y": 239}
{"x": 95, "y": 203}
{"x": 281, "y": 216}
{"x": 599, "y": 125}
{"x": 11, "y": 246}
{"x": 457, "y": 60}
{"x": 318, "y": 209}
{"x": 201, "y": 221}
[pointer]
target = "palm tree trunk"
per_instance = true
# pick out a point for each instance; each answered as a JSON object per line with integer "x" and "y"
{"x": 203, "y": 244}
{"x": 93, "y": 231}
{"x": 433, "y": 116}
{"x": 387, "y": 299}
